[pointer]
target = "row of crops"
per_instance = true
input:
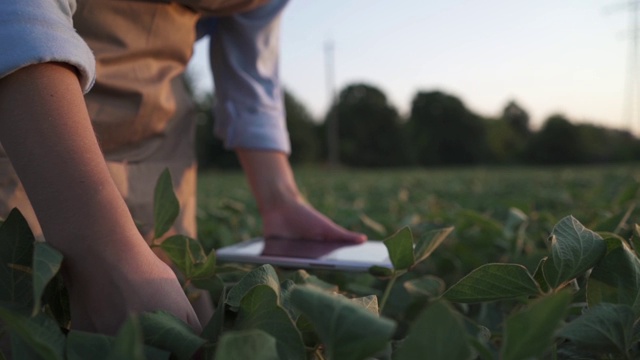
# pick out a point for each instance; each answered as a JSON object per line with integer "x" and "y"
{"x": 502, "y": 263}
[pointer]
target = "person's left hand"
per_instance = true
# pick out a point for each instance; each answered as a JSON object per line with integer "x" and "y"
{"x": 299, "y": 220}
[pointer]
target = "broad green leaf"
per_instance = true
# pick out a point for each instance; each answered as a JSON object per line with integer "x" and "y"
{"x": 538, "y": 276}
{"x": 128, "y": 343}
{"x": 165, "y": 204}
{"x": 430, "y": 241}
{"x": 84, "y": 345}
{"x": 529, "y": 332}
{"x": 262, "y": 275}
{"x": 259, "y": 309}
{"x": 167, "y": 332}
{"x": 616, "y": 279}
{"x": 46, "y": 263}
{"x": 41, "y": 334}
{"x": 400, "y": 246}
{"x": 574, "y": 250}
{"x": 212, "y": 331}
{"x": 427, "y": 286}
{"x": 348, "y": 332}
{"x": 251, "y": 344}
{"x": 493, "y": 282}
{"x": 16, "y": 242}
{"x": 187, "y": 254}
{"x": 439, "y": 332}
{"x": 604, "y": 328}
{"x": 368, "y": 302}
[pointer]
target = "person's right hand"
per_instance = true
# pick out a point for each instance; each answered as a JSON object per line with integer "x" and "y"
{"x": 104, "y": 292}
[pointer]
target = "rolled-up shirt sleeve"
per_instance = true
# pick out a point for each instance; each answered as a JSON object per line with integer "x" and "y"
{"x": 39, "y": 31}
{"x": 244, "y": 59}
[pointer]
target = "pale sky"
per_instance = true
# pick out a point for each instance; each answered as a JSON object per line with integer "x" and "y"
{"x": 551, "y": 56}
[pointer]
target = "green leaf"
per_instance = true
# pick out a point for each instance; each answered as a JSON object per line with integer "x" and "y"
{"x": 427, "y": 286}
{"x": 41, "y": 334}
{"x": 215, "y": 326}
{"x": 574, "y": 250}
{"x": 538, "y": 276}
{"x": 84, "y": 345}
{"x": 349, "y": 332}
{"x": 262, "y": 275}
{"x": 259, "y": 309}
{"x": 380, "y": 271}
{"x": 529, "y": 332}
{"x": 430, "y": 241}
{"x": 16, "y": 242}
{"x": 493, "y": 282}
{"x": 187, "y": 254}
{"x": 165, "y": 204}
{"x": 400, "y": 246}
{"x": 439, "y": 332}
{"x": 46, "y": 264}
{"x": 167, "y": 332}
{"x": 251, "y": 344}
{"x": 128, "y": 343}
{"x": 604, "y": 328}
{"x": 616, "y": 279}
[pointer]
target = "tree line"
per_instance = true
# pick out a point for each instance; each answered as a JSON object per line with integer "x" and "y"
{"x": 439, "y": 131}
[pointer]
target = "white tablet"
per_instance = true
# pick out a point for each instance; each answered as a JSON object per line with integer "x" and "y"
{"x": 307, "y": 254}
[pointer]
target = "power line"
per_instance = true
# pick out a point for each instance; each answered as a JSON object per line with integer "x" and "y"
{"x": 631, "y": 107}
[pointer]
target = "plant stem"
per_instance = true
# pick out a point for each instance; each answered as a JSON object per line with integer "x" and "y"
{"x": 387, "y": 291}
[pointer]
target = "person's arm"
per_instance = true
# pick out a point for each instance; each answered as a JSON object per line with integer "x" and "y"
{"x": 110, "y": 270}
{"x": 284, "y": 211}
{"x": 250, "y": 117}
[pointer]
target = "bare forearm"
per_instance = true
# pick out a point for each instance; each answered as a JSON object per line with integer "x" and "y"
{"x": 45, "y": 130}
{"x": 270, "y": 177}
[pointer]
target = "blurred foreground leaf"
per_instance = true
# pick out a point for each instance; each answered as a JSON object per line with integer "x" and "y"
{"x": 167, "y": 332}
{"x": 46, "y": 263}
{"x": 529, "y": 332}
{"x": 259, "y": 309}
{"x": 616, "y": 279}
{"x": 439, "y": 332}
{"x": 40, "y": 334}
{"x": 348, "y": 331}
{"x": 16, "y": 242}
{"x": 262, "y": 275}
{"x": 603, "y": 328}
{"x": 251, "y": 344}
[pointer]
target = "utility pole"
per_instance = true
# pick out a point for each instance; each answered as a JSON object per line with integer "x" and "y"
{"x": 631, "y": 110}
{"x": 333, "y": 137}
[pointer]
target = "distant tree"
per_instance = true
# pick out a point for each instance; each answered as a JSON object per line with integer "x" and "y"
{"x": 558, "y": 142}
{"x": 369, "y": 128}
{"x": 604, "y": 145}
{"x": 517, "y": 118}
{"x": 444, "y": 131}
{"x": 305, "y": 142}
{"x": 508, "y": 136}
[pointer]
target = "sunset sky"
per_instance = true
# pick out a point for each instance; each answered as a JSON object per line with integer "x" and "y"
{"x": 550, "y": 56}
